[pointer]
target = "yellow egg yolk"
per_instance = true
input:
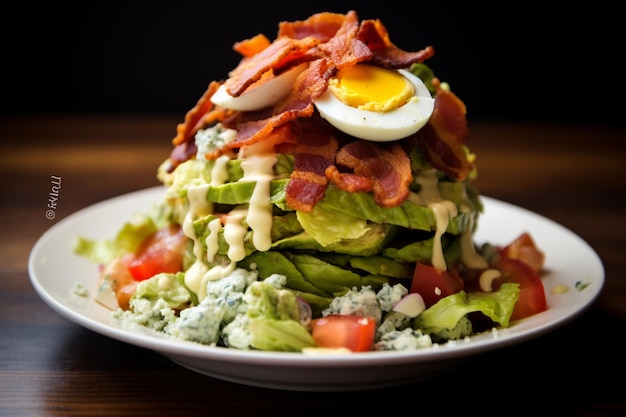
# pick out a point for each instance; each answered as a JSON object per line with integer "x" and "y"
{"x": 367, "y": 87}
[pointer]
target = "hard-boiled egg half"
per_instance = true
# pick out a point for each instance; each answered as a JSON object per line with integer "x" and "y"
{"x": 265, "y": 92}
{"x": 375, "y": 103}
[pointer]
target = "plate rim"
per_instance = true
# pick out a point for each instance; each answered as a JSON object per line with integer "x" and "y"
{"x": 176, "y": 348}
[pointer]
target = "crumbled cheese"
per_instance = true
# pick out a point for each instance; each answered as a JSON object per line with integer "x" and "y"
{"x": 215, "y": 137}
{"x": 389, "y": 295}
{"x": 201, "y": 323}
{"x": 407, "y": 339}
{"x": 153, "y": 314}
{"x": 106, "y": 297}
{"x": 79, "y": 290}
{"x": 359, "y": 302}
{"x": 223, "y": 303}
{"x": 391, "y": 322}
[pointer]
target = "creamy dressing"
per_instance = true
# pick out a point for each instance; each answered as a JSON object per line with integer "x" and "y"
{"x": 486, "y": 279}
{"x": 211, "y": 240}
{"x": 235, "y": 231}
{"x": 469, "y": 257}
{"x": 219, "y": 173}
{"x": 257, "y": 215}
{"x": 193, "y": 278}
{"x": 198, "y": 207}
{"x": 444, "y": 210}
{"x": 260, "y": 168}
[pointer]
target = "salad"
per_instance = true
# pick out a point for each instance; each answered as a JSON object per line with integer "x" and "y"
{"x": 319, "y": 197}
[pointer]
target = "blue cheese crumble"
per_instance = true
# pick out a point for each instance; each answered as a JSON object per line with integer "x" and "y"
{"x": 407, "y": 339}
{"x": 366, "y": 302}
{"x": 210, "y": 139}
{"x": 223, "y": 303}
{"x": 229, "y": 314}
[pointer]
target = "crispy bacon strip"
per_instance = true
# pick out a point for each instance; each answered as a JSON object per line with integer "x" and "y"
{"x": 329, "y": 41}
{"x": 388, "y": 170}
{"x": 314, "y": 153}
{"x": 345, "y": 49}
{"x": 309, "y": 85}
{"x": 321, "y": 26}
{"x": 278, "y": 55}
{"x": 195, "y": 116}
{"x": 442, "y": 139}
{"x": 349, "y": 182}
{"x": 202, "y": 114}
{"x": 252, "y": 46}
{"x": 384, "y": 53}
{"x": 181, "y": 153}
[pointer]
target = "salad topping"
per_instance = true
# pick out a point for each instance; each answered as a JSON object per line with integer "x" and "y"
{"x": 319, "y": 197}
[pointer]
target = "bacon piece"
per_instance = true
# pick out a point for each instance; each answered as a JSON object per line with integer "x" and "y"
{"x": 388, "y": 170}
{"x": 309, "y": 85}
{"x": 281, "y": 140}
{"x": 314, "y": 153}
{"x": 252, "y": 46}
{"x": 321, "y": 26}
{"x": 328, "y": 41}
{"x": 202, "y": 114}
{"x": 441, "y": 140}
{"x": 384, "y": 53}
{"x": 345, "y": 49}
{"x": 349, "y": 182}
{"x": 181, "y": 153}
{"x": 195, "y": 116}
{"x": 279, "y": 55}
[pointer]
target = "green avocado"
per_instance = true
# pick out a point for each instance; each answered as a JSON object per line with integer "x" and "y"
{"x": 408, "y": 215}
{"x": 370, "y": 243}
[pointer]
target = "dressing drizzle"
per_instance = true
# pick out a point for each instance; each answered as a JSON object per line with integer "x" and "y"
{"x": 257, "y": 216}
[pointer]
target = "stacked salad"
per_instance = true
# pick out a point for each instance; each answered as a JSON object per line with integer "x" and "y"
{"x": 318, "y": 198}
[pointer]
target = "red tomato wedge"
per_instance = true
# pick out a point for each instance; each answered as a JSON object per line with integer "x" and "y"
{"x": 433, "y": 284}
{"x": 336, "y": 331}
{"x": 532, "y": 298}
{"x": 161, "y": 252}
{"x": 525, "y": 249}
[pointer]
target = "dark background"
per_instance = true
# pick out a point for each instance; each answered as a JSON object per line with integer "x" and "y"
{"x": 526, "y": 61}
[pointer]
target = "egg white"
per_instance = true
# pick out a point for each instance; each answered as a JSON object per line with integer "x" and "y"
{"x": 259, "y": 95}
{"x": 379, "y": 126}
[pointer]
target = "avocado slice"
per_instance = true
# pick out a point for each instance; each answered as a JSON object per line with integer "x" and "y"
{"x": 370, "y": 243}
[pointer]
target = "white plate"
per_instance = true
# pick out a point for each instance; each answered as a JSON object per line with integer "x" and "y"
{"x": 54, "y": 270}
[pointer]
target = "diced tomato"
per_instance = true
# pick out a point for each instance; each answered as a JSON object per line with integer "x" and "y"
{"x": 125, "y": 293}
{"x": 118, "y": 276}
{"x": 525, "y": 249}
{"x": 433, "y": 284}
{"x": 532, "y": 299}
{"x": 161, "y": 252}
{"x": 348, "y": 331}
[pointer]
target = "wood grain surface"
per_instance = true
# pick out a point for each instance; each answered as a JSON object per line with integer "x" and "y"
{"x": 572, "y": 174}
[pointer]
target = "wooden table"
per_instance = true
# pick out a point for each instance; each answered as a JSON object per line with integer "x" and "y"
{"x": 50, "y": 366}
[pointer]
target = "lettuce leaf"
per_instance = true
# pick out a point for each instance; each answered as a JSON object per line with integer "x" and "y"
{"x": 446, "y": 313}
{"x": 127, "y": 239}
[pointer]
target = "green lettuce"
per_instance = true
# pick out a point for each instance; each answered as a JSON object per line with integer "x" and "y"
{"x": 127, "y": 240}
{"x": 274, "y": 319}
{"x": 446, "y": 313}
